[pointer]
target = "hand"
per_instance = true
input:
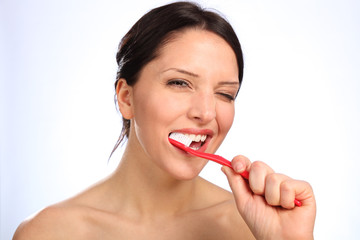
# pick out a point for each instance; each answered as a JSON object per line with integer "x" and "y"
{"x": 266, "y": 201}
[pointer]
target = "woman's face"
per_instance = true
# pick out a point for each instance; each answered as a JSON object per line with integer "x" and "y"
{"x": 189, "y": 88}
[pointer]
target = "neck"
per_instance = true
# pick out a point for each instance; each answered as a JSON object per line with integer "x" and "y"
{"x": 148, "y": 190}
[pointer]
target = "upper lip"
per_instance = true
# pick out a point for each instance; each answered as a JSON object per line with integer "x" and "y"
{"x": 195, "y": 131}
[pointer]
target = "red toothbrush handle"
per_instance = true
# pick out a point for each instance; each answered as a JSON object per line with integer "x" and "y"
{"x": 215, "y": 158}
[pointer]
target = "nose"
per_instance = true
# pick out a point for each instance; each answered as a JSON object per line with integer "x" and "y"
{"x": 202, "y": 107}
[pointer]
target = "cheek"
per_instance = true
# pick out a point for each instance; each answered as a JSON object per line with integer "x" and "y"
{"x": 155, "y": 108}
{"x": 153, "y": 113}
{"x": 146, "y": 112}
{"x": 225, "y": 117}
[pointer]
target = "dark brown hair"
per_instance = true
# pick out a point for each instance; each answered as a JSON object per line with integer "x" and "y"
{"x": 151, "y": 32}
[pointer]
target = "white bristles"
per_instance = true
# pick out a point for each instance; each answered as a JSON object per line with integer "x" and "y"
{"x": 182, "y": 138}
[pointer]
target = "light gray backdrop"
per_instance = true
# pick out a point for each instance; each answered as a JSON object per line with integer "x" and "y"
{"x": 298, "y": 109}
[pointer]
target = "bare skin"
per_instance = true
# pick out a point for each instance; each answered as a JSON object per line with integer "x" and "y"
{"x": 204, "y": 211}
{"x": 156, "y": 193}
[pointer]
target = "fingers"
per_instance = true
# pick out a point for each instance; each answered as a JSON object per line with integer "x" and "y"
{"x": 301, "y": 190}
{"x": 264, "y": 198}
{"x": 257, "y": 177}
{"x": 273, "y": 183}
{"x": 287, "y": 193}
{"x": 277, "y": 189}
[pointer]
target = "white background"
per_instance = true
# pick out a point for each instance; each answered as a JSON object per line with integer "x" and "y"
{"x": 298, "y": 109}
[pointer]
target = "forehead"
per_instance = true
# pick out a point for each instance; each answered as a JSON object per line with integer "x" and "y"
{"x": 191, "y": 37}
{"x": 199, "y": 50}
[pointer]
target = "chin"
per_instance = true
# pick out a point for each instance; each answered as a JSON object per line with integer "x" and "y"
{"x": 186, "y": 174}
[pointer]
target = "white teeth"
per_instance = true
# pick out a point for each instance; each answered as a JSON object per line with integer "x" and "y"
{"x": 187, "y": 139}
{"x": 192, "y": 137}
{"x": 196, "y": 138}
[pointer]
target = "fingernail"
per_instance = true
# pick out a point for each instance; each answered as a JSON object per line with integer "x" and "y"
{"x": 238, "y": 167}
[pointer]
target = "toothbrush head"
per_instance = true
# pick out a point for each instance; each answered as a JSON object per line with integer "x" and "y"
{"x": 182, "y": 138}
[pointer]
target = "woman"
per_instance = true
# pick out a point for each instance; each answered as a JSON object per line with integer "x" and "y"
{"x": 180, "y": 69}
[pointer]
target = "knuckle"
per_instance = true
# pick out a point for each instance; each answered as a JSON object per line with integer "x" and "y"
{"x": 276, "y": 178}
{"x": 272, "y": 178}
{"x": 286, "y": 186}
{"x": 257, "y": 165}
{"x": 308, "y": 185}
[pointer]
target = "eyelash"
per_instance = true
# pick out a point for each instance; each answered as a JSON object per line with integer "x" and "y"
{"x": 178, "y": 83}
{"x": 182, "y": 84}
{"x": 227, "y": 96}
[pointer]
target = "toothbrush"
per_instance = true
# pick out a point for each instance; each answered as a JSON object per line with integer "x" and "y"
{"x": 183, "y": 142}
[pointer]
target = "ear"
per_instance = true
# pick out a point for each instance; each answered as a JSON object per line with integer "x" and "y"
{"x": 124, "y": 98}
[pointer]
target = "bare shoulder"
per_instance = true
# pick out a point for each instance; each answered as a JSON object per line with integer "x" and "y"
{"x": 69, "y": 219}
{"x": 52, "y": 222}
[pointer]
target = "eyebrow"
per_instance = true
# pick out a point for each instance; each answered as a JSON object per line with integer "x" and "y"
{"x": 231, "y": 83}
{"x": 182, "y": 71}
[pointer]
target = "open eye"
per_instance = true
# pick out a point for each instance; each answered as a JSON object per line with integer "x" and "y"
{"x": 178, "y": 83}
